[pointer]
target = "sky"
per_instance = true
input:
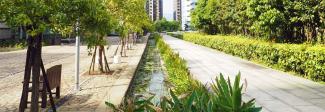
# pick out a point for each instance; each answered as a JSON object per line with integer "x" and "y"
{"x": 168, "y": 9}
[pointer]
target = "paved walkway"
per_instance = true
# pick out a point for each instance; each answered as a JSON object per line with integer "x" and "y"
{"x": 95, "y": 89}
{"x": 274, "y": 90}
{"x": 13, "y": 62}
{"x": 11, "y": 86}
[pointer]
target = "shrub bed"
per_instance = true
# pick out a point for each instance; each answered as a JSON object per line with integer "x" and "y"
{"x": 177, "y": 70}
{"x": 177, "y": 35}
{"x": 305, "y": 60}
{"x": 13, "y": 43}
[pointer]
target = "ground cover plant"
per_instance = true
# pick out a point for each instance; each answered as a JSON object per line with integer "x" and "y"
{"x": 176, "y": 68}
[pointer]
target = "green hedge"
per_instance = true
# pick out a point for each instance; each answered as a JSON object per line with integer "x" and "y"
{"x": 13, "y": 43}
{"x": 177, "y": 35}
{"x": 177, "y": 70}
{"x": 305, "y": 60}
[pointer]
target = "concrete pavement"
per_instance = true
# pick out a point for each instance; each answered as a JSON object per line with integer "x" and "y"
{"x": 95, "y": 89}
{"x": 274, "y": 90}
{"x": 11, "y": 85}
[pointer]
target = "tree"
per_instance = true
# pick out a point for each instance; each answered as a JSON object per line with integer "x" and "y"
{"x": 97, "y": 24}
{"x": 164, "y": 25}
{"x": 132, "y": 18}
{"x": 95, "y": 21}
{"x": 279, "y": 20}
{"x": 202, "y": 20}
{"x": 267, "y": 16}
{"x": 35, "y": 16}
{"x": 57, "y": 15}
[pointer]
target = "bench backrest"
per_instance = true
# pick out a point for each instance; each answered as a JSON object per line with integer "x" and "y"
{"x": 54, "y": 76}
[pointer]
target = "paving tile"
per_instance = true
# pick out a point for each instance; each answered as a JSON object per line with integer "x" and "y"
{"x": 274, "y": 90}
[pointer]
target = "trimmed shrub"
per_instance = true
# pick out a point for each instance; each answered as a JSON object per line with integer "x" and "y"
{"x": 13, "y": 43}
{"x": 177, "y": 35}
{"x": 303, "y": 59}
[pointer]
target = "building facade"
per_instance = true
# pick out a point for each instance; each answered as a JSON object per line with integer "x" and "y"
{"x": 155, "y": 9}
{"x": 187, "y": 7}
{"x": 5, "y": 32}
{"x": 177, "y": 10}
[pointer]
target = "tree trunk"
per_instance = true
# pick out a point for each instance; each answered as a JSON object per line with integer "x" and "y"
{"x": 126, "y": 41}
{"x": 27, "y": 72}
{"x": 100, "y": 58}
{"x": 107, "y": 69}
{"x": 122, "y": 47}
{"x": 103, "y": 66}
{"x": 36, "y": 63}
{"x": 92, "y": 61}
{"x": 133, "y": 38}
{"x": 124, "y": 50}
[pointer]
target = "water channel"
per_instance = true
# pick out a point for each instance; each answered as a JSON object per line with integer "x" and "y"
{"x": 149, "y": 78}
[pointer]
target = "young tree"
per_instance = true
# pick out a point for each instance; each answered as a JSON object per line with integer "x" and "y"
{"x": 132, "y": 18}
{"x": 97, "y": 25}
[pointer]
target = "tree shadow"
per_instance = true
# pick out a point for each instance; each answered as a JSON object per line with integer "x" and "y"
{"x": 73, "y": 102}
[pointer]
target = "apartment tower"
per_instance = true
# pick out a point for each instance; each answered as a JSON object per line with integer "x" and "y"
{"x": 178, "y": 10}
{"x": 187, "y": 7}
{"x": 155, "y": 9}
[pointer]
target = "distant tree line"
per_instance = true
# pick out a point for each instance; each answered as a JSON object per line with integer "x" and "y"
{"x": 164, "y": 25}
{"x": 292, "y": 21}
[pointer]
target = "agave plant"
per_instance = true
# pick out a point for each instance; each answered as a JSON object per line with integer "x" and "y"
{"x": 136, "y": 104}
{"x": 224, "y": 97}
{"x": 195, "y": 101}
{"x": 228, "y": 97}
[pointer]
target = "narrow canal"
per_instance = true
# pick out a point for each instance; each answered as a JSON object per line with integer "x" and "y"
{"x": 149, "y": 78}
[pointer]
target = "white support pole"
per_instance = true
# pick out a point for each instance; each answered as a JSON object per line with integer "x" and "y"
{"x": 77, "y": 86}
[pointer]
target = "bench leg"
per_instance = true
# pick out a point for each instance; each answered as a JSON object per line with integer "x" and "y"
{"x": 44, "y": 96}
{"x": 57, "y": 92}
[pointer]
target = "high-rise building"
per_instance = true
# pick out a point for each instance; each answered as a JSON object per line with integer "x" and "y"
{"x": 154, "y": 9}
{"x": 178, "y": 10}
{"x": 187, "y": 7}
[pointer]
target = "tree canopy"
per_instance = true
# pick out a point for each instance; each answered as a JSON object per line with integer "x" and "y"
{"x": 62, "y": 15}
{"x": 164, "y": 25}
{"x": 281, "y": 20}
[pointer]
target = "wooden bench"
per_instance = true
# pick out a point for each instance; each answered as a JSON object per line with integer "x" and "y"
{"x": 54, "y": 78}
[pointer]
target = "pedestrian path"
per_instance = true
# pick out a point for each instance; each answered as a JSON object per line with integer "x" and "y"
{"x": 96, "y": 89}
{"x": 274, "y": 90}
